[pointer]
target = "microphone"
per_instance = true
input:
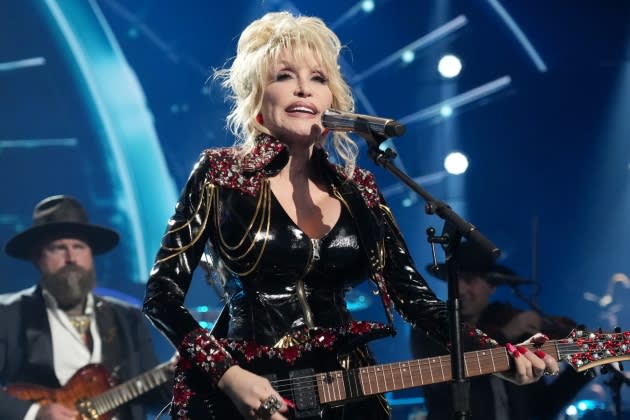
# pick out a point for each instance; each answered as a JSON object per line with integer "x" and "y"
{"x": 359, "y": 123}
{"x": 499, "y": 279}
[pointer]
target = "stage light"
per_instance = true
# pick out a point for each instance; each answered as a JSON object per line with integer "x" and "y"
{"x": 449, "y": 66}
{"x": 407, "y": 202}
{"x": 446, "y": 111}
{"x": 456, "y": 163}
{"x": 24, "y": 63}
{"x": 458, "y": 101}
{"x": 408, "y": 56}
{"x": 367, "y": 5}
{"x": 571, "y": 411}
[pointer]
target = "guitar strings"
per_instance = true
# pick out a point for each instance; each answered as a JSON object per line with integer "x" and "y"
{"x": 311, "y": 381}
{"x": 124, "y": 392}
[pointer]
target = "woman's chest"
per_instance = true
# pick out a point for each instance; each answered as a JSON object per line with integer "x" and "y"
{"x": 258, "y": 240}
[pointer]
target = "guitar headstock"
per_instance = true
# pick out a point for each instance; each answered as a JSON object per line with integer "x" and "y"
{"x": 584, "y": 350}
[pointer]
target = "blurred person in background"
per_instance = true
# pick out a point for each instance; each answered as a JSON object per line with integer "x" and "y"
{"x": 491, "y": 398}
{"x": 53, "y": 330}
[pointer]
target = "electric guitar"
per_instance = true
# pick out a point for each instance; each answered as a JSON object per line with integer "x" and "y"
{"x": 92, "y": 391}
{"x": 309, "y": 376}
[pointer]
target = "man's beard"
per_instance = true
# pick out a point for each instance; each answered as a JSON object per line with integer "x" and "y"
{"x": 69, "y": 285}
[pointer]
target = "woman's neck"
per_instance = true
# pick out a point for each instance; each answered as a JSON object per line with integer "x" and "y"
{"x": 299, "y": 168}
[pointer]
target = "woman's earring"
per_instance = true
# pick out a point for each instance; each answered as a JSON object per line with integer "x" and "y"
{"x": 259, "y": 119}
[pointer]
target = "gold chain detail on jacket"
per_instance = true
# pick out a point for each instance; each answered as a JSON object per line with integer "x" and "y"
{"x": 208, "y": 191}
{"x": 261, "y": 219}
{"x": 381, "y": 245}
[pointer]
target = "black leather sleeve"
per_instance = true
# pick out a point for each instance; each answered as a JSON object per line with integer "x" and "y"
{"x": 180, "y": 250}
{"x": 412, "y": 296}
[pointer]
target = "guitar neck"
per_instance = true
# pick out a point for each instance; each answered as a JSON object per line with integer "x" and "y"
{"x": 128, "y": 390}
{"x": 349, "y": 384}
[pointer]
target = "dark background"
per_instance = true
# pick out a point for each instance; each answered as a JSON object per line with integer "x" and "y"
{"x": 118, "y": 106}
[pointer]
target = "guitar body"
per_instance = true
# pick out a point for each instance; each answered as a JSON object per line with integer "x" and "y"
{"x": 307, "y": 372}
{"x": 87, "y": 382}
{"x": 293, "y": 381}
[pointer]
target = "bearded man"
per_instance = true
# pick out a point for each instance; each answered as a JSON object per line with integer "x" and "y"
{"x": 53, "y": 329}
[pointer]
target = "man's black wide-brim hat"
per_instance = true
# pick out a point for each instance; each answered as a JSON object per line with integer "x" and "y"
{"x": 60, "y": 216}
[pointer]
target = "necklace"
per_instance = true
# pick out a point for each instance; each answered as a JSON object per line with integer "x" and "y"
{"x": 81, "y": 323}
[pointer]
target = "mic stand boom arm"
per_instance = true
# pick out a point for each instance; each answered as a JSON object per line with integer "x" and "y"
{"x": 454, "y": 229}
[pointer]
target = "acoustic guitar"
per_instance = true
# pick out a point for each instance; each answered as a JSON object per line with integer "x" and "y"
{"x": 92, "y": 390}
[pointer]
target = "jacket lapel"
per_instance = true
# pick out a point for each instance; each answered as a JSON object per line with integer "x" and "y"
{"x": 39, "y": 363}
{"x": 108, "y": 330}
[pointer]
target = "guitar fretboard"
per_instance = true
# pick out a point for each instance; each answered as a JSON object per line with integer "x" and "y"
{"x": 347, "y": 384}
{"x": 127, "y": 391}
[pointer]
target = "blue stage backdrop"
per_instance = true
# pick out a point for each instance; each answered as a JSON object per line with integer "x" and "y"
{"x": 111, "y": 101}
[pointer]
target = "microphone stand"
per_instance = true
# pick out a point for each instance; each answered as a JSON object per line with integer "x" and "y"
{"x": 455, "y": 228}
{"x": 615, "y": 382}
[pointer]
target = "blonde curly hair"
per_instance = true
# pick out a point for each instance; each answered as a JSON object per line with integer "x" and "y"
{"x": 258, "y": 51}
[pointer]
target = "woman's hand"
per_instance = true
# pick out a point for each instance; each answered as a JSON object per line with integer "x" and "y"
{"x": 529, "y": 366}
{"x": 253, "y": 395}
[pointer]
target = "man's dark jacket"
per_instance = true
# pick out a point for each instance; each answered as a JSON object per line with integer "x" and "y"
{"x": 26, "y": 349}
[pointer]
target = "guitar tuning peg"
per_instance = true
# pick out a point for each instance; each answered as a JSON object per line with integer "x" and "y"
{"x": 591, "y": 373}
{"x": 617, "y": 330}
{"x": 604, "y": 370}
{"x": 620, "y": 367}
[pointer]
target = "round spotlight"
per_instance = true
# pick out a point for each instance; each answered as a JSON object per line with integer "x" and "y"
{"x": 446, "y": 111}
{"x": 367, "y": 5}
{"x": 571, "y": 411}
{"x": 456, "y": 163}
{"x": 408, "y": 56}
{"x": 449, "y": 66}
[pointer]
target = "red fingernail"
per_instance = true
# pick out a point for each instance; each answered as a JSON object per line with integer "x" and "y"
{"x": 512, "y": 350}
{"x": 289, "y": 403}
{"x": 522, "y": 349}
{"x": 540, "y": 354}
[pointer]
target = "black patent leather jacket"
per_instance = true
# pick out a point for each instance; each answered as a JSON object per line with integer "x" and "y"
{"x": 225, "y": 209}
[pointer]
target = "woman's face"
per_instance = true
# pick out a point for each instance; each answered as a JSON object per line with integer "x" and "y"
{"x": 293, "y": 101}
